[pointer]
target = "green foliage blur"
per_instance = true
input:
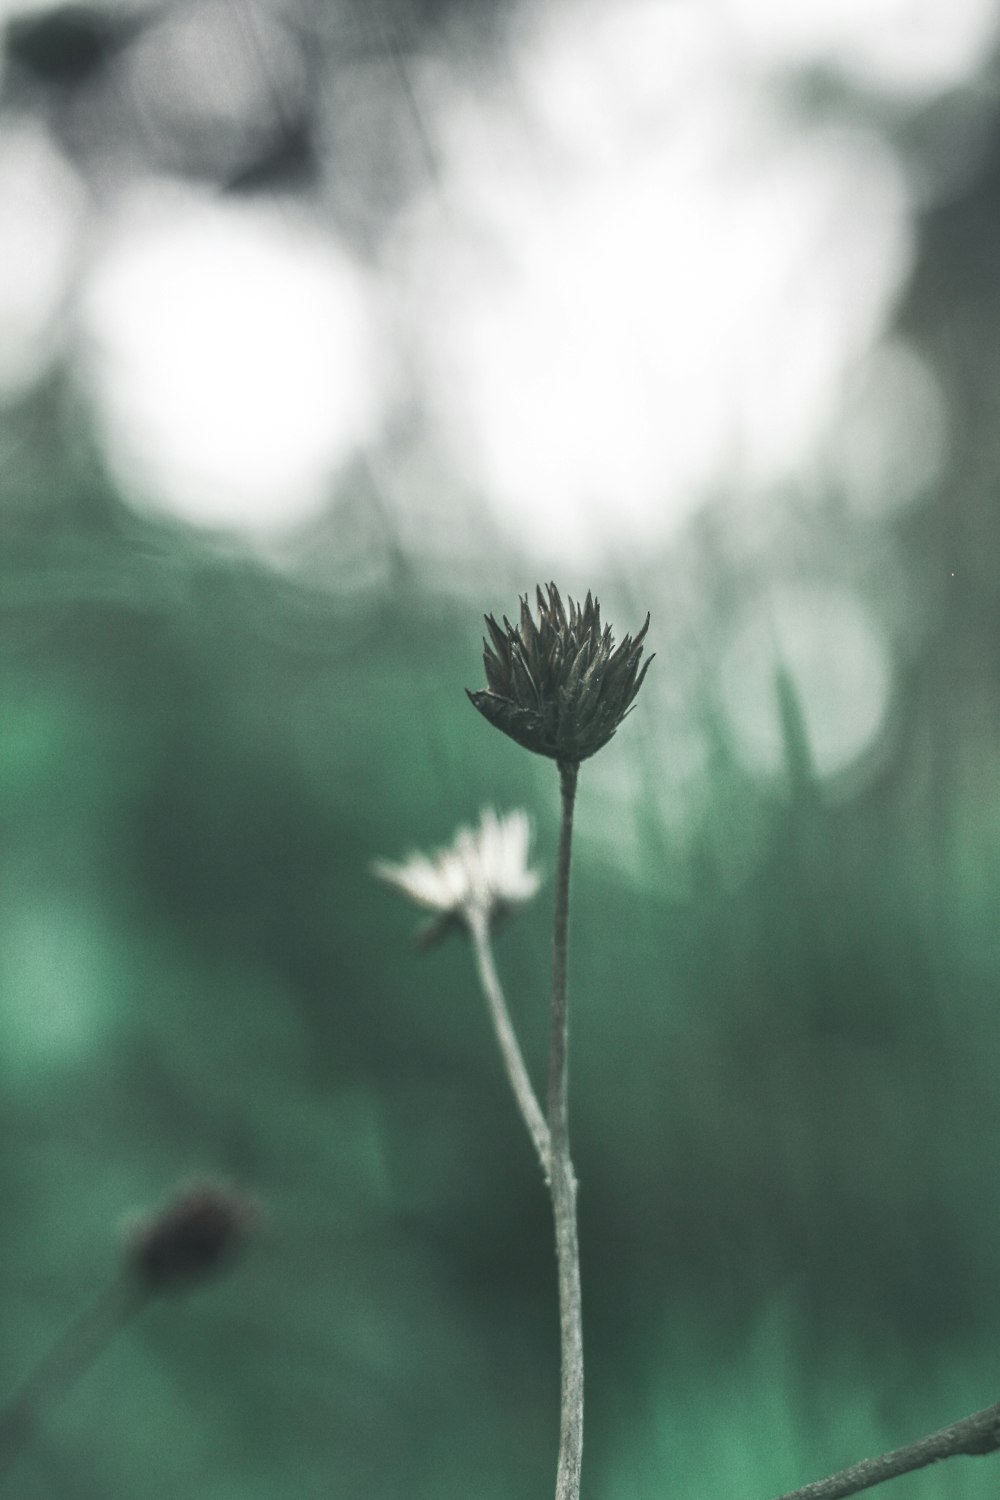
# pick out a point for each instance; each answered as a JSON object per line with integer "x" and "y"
{"x": 785, "y": 1029}
{"x": 783, "y": 1090}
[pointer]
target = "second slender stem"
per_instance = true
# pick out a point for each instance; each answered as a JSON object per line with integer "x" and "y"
{"x": 510, "y": 1051}
{"x": 563, "y": 1180}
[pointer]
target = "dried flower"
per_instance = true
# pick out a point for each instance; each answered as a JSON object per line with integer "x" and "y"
{"x": 483, "y": 872}
{"x": 559, "y": 687}
{"x": 196, "y": 1234}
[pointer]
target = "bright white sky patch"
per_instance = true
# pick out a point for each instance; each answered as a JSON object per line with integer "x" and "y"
{"x": 230, "y": 352}
{"x": 838, "y": 660}
{"x": 41, "y": 210}
{"x": 654, "y": 285}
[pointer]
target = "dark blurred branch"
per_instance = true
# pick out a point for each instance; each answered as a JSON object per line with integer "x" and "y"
{"x": 72, "y": 1354}
{"x": 192, "y": 1237}
{"x": 971, "y": 1437}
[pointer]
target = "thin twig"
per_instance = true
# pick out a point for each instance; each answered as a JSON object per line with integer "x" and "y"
{"x": 563, "y": 1183}
{"x": 510, "y": 1051}
{"x": 973, "y": 1436}
{"x": 73, "y": 1352}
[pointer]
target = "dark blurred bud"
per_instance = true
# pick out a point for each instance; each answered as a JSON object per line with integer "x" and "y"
{"x": 560, "y": 686}
{"x": 196, "y": 1234}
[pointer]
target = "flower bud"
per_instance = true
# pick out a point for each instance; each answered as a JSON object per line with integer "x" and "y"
{"x": 559, "y": 687}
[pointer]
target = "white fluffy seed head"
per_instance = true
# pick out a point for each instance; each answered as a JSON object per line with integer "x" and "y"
{"x": 484, "y": 871}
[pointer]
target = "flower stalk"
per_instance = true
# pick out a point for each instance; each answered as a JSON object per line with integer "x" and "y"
{"x": 560, "y": 687}
{"x": 563, "y": 1178}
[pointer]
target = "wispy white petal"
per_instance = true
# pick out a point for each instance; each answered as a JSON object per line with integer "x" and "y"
{"x": 483, "y": 870}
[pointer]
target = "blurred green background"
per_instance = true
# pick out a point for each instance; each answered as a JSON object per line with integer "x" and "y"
{"x": 786, "y": 951}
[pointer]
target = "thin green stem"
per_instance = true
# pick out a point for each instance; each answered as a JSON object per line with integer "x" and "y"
{"x": 70, "y": 1356}
{"x": 563, "y": 1180}
{"x": 972, "y": 1436}
{"x": 510, "y": 1051}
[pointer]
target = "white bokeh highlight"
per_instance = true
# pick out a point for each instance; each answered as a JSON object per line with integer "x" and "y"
{"x": 230, "y": 353}
{"x": 889, "y": 444}
{"x": 657, "y": 283}
{"x": 911, "y": 48}
{"x": 838, "y": 661}
{"x": 42, "y": 213}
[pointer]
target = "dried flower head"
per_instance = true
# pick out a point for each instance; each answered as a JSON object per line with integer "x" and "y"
{"x": 484, "y": 872}
{"x": 195, "y": 1234}
{"x": 560, "y": 686}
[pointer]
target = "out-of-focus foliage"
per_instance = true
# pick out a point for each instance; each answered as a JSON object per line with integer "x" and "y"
{"x": 783, "y": 1085}
{"x": 785, "y": 970}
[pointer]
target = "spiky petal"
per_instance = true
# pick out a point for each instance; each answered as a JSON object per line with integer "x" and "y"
{"x": 559, "y": 686}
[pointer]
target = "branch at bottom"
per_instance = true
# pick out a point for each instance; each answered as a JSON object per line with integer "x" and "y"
{"x": 971, "y": 1437}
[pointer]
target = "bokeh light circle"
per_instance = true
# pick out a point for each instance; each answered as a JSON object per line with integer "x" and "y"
{"x": 42, "y": 209}
{"x": 835, "y": 656}
{"x": 890, "y": 442}
{"x": 626, "y": 313}
{"x": 230, "y": 350}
